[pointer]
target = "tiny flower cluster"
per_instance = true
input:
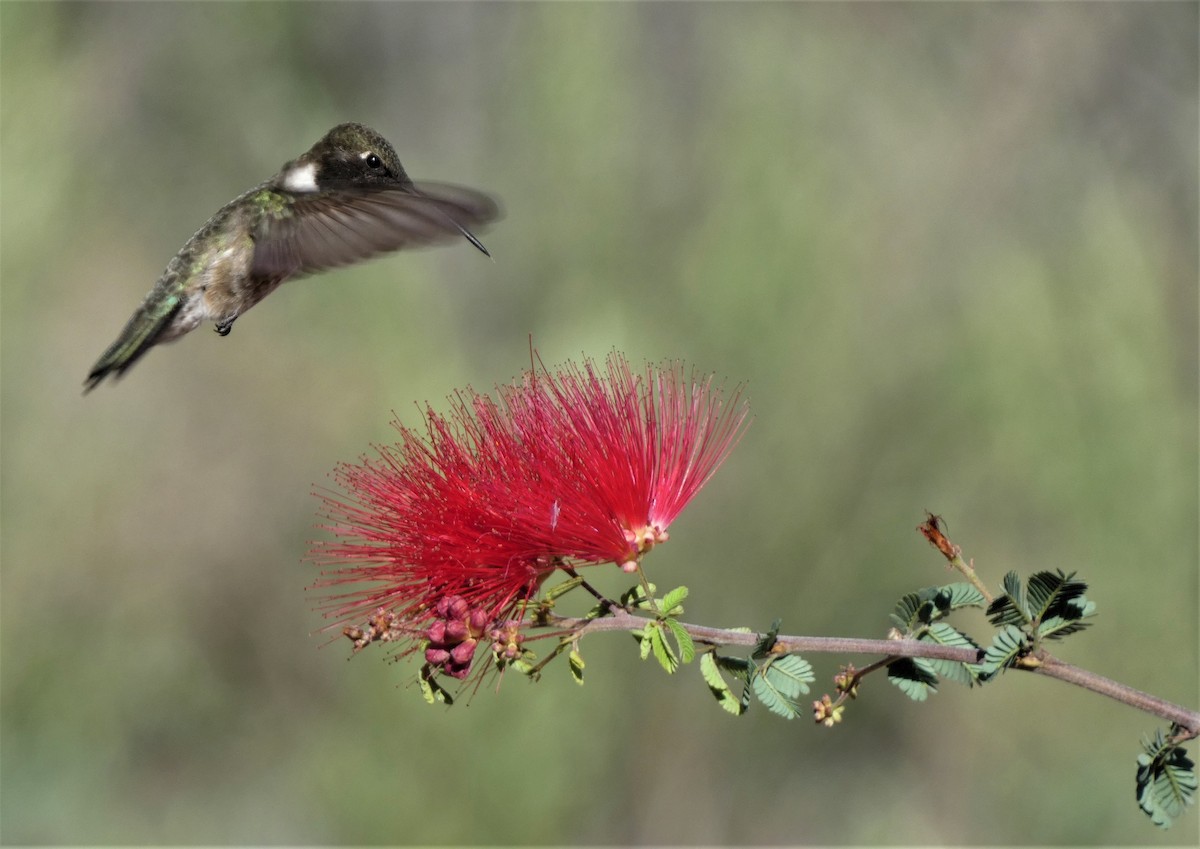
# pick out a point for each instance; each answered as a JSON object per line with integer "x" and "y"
{"x": 453, "y": 530}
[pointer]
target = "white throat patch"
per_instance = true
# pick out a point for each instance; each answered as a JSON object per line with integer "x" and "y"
{"x": 301, "y": 178}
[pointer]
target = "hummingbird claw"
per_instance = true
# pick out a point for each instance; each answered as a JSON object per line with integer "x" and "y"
{"x": 223, "y": 327}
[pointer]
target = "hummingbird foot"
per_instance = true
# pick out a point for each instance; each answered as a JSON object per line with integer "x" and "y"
{"x": 223, "y": 327}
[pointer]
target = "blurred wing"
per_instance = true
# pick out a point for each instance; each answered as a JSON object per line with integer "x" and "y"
{"x": 327, "y": 230}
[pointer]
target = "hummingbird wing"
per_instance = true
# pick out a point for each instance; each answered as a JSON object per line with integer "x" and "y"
{"x": 336, "y": 228}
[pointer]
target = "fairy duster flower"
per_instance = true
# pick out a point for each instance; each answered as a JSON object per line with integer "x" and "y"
{"x": 452, "y": 530}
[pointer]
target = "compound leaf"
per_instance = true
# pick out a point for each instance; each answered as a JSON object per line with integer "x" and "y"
{"x": 667, "y": 658}
{"x": 944, "y": 634}
{"x": 790, "y": 674}
{"x": 767, "y": 692}
{"x": 914, "y": 677}
{"x": 737, "y": 666}
{"x": 961, "y": 595}
{"x": 905, "y": 616}
{"x": 672, "y": 602}
{"x": 687, "y": 646}
{"x": 1166, "y": 780}
{"x": 1006, "y": 647}
{"x": 1010, "y": 608}
{"x": 1059, "y": 603}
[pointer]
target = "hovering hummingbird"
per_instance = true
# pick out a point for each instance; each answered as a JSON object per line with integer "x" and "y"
{"x": 347, "y": 199}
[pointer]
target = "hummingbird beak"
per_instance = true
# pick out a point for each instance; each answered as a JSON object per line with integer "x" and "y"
{"x": 471, "y": 238}
{"x": 467, "y": 233}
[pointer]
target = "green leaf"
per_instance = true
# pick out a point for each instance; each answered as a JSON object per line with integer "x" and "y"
{"x": 960, "y": 595}
{"x": 666, "y": 656}
{"x": 717, "y": 686}
{"x": 1010, "y": 608}
{"x": 1012, "y": 587}
{"x": 960, "y": 673}
{"x": 737, "y": 666}
{"x": 687, "y": 647}
{"x": 945, "y": 635}
{"x": 711, "y": 672}
{"x": 744, "y": 701}
{"x": 635, "y": 598}
{"x": 914, "y": 677}
{"x": 599, "y": 609}
{"x": 561, "y": 589}
{"x": 643, "y": 639}
{"x": 906, "y": 615}
{"x": 575, "y": 662}
{"x": 1056, "y": 627}
{"x": 767, "y": 691}
{"x": 1048, "y": 591}
{"x": 1166, "y": 780}
{"x": 916, "y": 610}
{"x": 672, "y": 602}
{"x": 790, "y": 674}
{"x": 432, "y": 689}
{"x": 1006, "y": 647}
{"x": 1059, "y": 604}
{"x": 524, "y": 665}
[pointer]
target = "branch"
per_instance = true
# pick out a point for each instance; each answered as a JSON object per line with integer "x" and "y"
{"x": 621, "y": 620}
{"x": 1044, "y": 664}
{"x": 1052, "y": 667}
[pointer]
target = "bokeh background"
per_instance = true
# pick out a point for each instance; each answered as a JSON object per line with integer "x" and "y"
{"x": 952, "y": 249}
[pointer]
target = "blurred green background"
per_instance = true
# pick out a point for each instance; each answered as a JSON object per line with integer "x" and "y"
{"x": 951, "y": 248}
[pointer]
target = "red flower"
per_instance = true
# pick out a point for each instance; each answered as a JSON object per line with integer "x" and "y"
{"x": 617, "y": 456}
{"x": 455, "y": 529}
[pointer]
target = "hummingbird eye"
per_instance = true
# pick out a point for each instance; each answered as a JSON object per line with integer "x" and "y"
{"x": 373, "y": 161}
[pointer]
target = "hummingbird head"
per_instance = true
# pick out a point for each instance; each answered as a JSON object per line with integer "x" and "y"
{"x": 348, "y": 156}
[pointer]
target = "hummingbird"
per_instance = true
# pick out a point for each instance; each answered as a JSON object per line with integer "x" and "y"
{"x": 345, "y": 200}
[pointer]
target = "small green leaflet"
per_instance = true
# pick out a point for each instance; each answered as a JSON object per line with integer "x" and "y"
{"x": 1006, "y": 646}
{"x": 736, "y": 666}
{"x": 562, "y": 588}
{"x": 927, "y": 605}
{"x": 1012, "y": 588}
{"x": 635, "y": 598}
{"x": 654, "y": 638}
{"x": 576, "y": 664}
{"x": 672, "y": 602}
{"x": 687, "y": 647}
{"x": 717, "y": 686}
{"x": 961, "y": 595}
{"x": 431, "y": 689}
{"x": 666, "y": 656}
{"x": 643, "y": 643}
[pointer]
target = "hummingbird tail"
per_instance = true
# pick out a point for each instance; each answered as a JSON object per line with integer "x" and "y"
{"x": 141, "y": 332}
